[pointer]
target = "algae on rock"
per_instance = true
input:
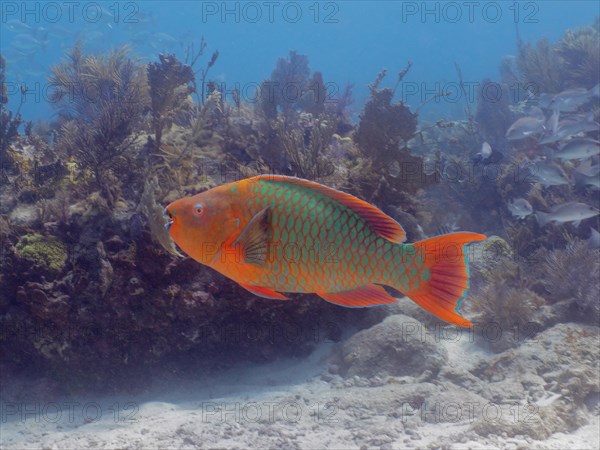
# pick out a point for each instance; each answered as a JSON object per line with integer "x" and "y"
{"x": 44, "y": 251}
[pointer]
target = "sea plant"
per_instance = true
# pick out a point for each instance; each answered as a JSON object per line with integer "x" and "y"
{"x": 102, "y": 100}
{"x": 573, "y": 62}
{"x": 306, "y": 145}
{"x": 504, "y": 298}
{"x": 291, "y": 90}
{"x": 579, "y": 53}
{"x": 170, "y": 83}
{"x": 573, "y": 273}
{"x": 539, "y": 67}
{"x": 493, "y": 116}
{"x": 9, "y": 122}
{"x": 385, "y": 127}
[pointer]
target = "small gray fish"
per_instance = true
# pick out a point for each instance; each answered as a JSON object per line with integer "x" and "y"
{"x": 59, "y": 32}
{"x": 28, "y": 44}
{"x": 594, "y": 240}
{"x": 534, "y": 111}
{"x": 548, "y": 175}
{"x": 571, "y": 99}
{"x": 587, "y": 180}
{"x": 394, "y": 169}
{"x": 525, "y": 127}
{"x": 587, "y": 168}
{"x": 573, "y": 212}
{"x": 520, "y": 208}
{"x": 578, "y": 149}
{"x": 17, "y": 26}
{"x": 572, "y": 127}
{"x": 486, "y": 151}
{"x": 552, "y": 123}
{"x": 569, "y": 127}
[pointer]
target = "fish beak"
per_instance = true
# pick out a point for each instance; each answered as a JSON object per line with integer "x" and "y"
{"x": 167, "y": 215}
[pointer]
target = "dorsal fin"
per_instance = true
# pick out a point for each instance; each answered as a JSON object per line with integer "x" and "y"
{"x": 379, "y": 222}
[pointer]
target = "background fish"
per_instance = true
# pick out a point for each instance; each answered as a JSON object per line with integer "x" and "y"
{"x": 275, "y": 234}
{"x": 525, "y": 127}
{"x": 567, "y": 101}
{"x": 579, "y": 149}
{"x": 548, "y": 175}
{"x": 520, "y": 208}
{"x": 573, "y": 212}
{"x": 486, "y": 151}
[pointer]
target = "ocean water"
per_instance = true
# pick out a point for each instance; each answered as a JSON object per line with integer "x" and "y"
{"x": 336, "y": 36}
{"x": 486, "y": 120}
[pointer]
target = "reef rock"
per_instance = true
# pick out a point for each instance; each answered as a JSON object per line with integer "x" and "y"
{"x": 397, "y": 347}
{"x": 555, "y": 372}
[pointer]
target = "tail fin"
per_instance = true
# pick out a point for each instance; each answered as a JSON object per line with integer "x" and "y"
{"x": 542, "y": 218}
{"x": 447, "y": 279}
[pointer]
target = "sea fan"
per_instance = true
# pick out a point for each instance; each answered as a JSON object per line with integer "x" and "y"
{"x": 580, "y": 51}
{"x": 574, "y": 273}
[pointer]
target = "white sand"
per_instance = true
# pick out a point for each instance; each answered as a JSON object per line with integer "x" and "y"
{"x": 280, "y": 405}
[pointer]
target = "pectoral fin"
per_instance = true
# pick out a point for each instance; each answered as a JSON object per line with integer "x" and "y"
{"x": 254, "y": 239}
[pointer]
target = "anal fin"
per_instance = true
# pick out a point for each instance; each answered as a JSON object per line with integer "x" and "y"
{"x": 369, "y": 295}
{"x": 264, "y": 292}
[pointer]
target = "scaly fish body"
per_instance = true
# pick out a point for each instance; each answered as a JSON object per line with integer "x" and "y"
{"x": 275, "y": 234}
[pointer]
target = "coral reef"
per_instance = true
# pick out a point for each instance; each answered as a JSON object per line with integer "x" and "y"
{"x": 87, "y": 263}
{"x": 394, "y": 347}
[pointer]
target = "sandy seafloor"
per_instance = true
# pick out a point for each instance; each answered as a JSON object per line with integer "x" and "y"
{"x": 294, "y": 404}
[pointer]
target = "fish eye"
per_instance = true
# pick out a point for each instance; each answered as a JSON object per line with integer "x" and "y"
{"x": 199, "y": 209}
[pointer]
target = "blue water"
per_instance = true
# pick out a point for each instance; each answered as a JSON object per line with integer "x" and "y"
{"x": 348, "y": 41}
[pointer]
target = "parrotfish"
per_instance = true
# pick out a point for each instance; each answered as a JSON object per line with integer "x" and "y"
{"x": 274, "y": 234}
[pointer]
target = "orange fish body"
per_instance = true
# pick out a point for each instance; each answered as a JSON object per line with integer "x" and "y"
{"x": 275, "y": 234}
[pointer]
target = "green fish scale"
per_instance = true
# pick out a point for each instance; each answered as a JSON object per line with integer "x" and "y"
{"x": 358, "y": 256}
{"x": 402, "y": 261}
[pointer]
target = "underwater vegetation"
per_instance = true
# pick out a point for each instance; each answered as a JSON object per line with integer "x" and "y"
{"x": 101, "y": 100}
{"x": 565, "y": 280}
{"x": 9, "y": 123}
{"x": 87, "y": 263}
{"x": 170, "y": 83}
{"x": 574, "y": 61}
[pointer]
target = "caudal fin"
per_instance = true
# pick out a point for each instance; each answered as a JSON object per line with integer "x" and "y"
{"x": 542, "y": 218}
{"x": 445, "y": 275}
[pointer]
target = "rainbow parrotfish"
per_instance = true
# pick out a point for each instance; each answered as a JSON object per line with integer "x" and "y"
{"x": 274, "y": 234}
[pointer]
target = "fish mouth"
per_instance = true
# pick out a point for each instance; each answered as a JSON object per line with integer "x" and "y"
{"x": 169, "y": 217}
